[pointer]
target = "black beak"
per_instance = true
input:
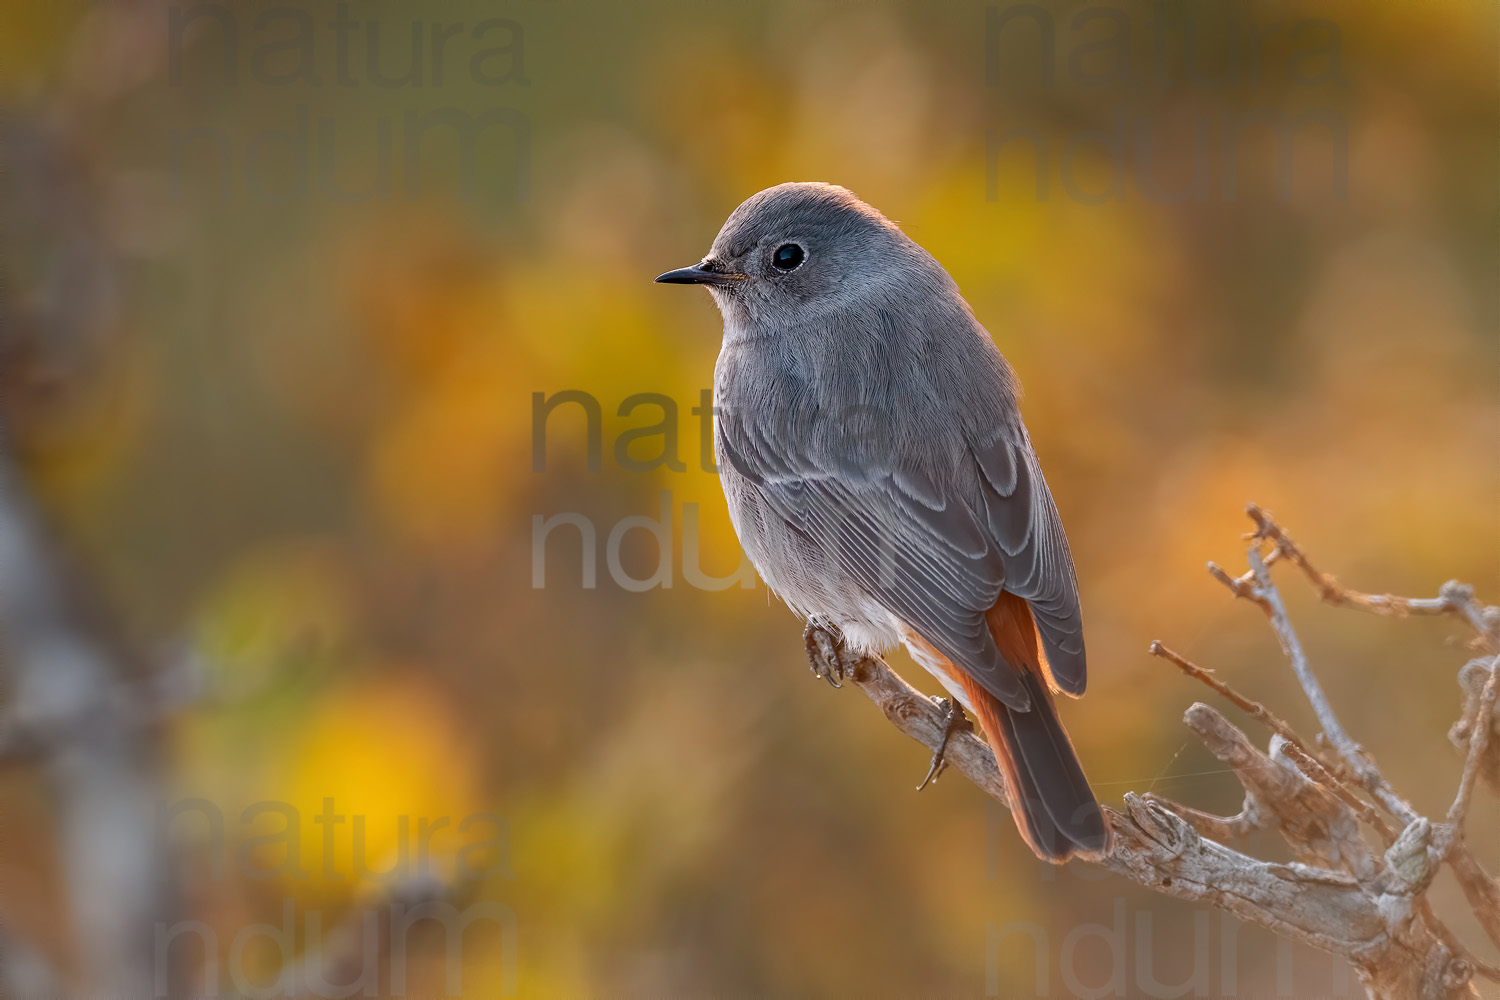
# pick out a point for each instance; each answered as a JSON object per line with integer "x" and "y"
{"x": 705, "y": 273}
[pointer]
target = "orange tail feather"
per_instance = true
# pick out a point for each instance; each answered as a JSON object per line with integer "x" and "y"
{"x": 1051, "y": 801}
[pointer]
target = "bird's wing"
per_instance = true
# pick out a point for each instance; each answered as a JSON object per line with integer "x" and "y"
{"x": 934, "y": 561}
{"x": 1022, "y": 519}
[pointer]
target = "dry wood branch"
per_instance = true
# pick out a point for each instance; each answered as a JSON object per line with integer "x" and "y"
{"x": 1248, "y": 820}
{"x": 1472, "y": 679}
{"x": 1479, "y": 739}
{"x": 1482, "y": 891}
{"x": 1453, "y": 597}
{"x": 1155, "y": 847}
{"x": 1340, "y": 896}
{"x": 1264, "y": 591}
{"x": 1317, "y": 825}
{"x": 1352, "y": 753}
{"x": 1254, "y": 709}
{"x": 1318, "y": 769}
{"x": 1301, "y": 755}
{"x": 917, "y": 716}
{"x": 1315, "y": 770}
{"x": 1482, "y": 969}
{"x": 1240, "y": 586}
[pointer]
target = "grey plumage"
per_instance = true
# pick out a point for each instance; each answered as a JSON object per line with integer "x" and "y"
{"x": 870, "y": 444}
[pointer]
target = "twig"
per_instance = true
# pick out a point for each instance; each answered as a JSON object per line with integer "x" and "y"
{"x": 1314, "y": 769}
{"x": 1479, "y": 738}
{"x": 1252, "y": 708}
{"x": 1265, "y": 588}
{"x": 1472, "y": 677}
{"x": 1240, "y": 586}
{"x": 1453, "y": 597}
{"x": 1480, "y": 888}
{"x": 1248, "y": 820}
{"x": 1480, "y": 967}
{"x": 1301, "y": 755}
{"x": 1353, "y": 754}
{"x": 1482, "y": 891}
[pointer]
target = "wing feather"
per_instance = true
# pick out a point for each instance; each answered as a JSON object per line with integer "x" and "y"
{"x": 936, "y": 552}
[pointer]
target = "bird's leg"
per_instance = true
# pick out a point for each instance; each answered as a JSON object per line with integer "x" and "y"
{"x": 825, "y": 651}
{"x": 954, "y": 721}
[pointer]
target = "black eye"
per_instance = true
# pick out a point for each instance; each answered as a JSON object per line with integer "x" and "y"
{"x": 787, "y": 256}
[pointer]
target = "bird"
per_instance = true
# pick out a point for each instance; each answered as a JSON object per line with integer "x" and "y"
{"x": 879, "y": 476}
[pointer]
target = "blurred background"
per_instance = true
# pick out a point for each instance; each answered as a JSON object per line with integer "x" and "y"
{"x": 291, "y": 638}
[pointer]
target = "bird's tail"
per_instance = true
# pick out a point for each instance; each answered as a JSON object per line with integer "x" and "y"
{"x": 1053, "y": 805}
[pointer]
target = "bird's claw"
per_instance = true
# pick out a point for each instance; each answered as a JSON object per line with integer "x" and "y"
{"x": 825, "y": 651}
{"x": 954, "y": 721}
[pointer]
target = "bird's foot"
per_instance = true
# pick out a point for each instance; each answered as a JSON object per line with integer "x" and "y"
{"x": 825, "y": 651}
{"x": 954, "y": 721}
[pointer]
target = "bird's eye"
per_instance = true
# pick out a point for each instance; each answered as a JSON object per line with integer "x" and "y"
{"x": 787, "y": 257}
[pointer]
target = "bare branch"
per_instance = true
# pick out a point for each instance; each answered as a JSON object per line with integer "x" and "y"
{"x": 1398, "y": 954}
{"x": 1341, "y": 896}
{"x": 918, "y": 716}
{"x": 1479, "y": 738}
{"x": 1310, "y": 764}
{"x": 1481, "y": 968}
{"x": 1472, "y": 677}
{"x": 1478, "y": 886}
{"x": 1314, "y": 769}
{"x": 1353, "y": 754}
{"x": 1482, "y": 891}
{"x": 1240, "y": 586}
{"x": 1254, "y": 709}
{"x": 1453, "y": 597}
{"x": 1317, "y": 825}
{"x": 1248, "y": 820}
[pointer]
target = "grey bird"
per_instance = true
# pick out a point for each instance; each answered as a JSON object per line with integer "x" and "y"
{"x": 879, "y": 476}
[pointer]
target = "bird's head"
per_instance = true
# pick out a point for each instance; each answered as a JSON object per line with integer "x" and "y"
{"x": 796, "y": 251}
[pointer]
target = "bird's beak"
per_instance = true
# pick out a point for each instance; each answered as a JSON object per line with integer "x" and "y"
{"x": 699, "y": 274}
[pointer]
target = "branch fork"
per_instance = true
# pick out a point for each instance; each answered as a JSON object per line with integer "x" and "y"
{"x": 1327, "y": 798}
